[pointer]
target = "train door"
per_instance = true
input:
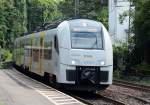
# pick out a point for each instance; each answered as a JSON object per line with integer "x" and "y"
{"x": 27, "y": 50}
{"x": 31, "y": 51}
{"x": 35, "y": 55}
{"x": 19, "y": 53}
{"x": 15, "y": 52}
{"x": 38, "y": 54}
{"x": 41, "y": 54}
{"x": 47, "y": 60}
{"x": 22, "y": 51}
{"x": 55, "y": 55}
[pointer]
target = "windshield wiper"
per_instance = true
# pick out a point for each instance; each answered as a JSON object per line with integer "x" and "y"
{"x": 95, "y": 43}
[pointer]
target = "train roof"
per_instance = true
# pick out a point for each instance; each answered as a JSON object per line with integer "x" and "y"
{"x": 84, "y": 22}
{"x": 54, "y": 25}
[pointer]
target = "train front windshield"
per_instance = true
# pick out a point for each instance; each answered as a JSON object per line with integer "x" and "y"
{"x": 86, "y": 40}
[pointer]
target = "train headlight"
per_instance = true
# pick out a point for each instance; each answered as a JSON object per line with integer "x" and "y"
{"x": 102, "y": 63}
{"x": 73, "y": 62}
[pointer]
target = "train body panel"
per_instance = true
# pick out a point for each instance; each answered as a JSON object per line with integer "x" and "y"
{"x": 77, "y": 52}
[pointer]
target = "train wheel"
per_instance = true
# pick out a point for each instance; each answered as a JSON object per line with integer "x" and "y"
{"x": 51, "y": 79}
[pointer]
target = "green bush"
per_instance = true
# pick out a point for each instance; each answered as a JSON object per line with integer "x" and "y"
{"x": 117, "y": 74}
{"x": 143, "y": 69}
{"x": 120, "y": 53}
{"x": 6, "y": 56}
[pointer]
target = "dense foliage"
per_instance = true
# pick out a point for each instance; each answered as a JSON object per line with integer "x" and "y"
{"x": 92, "y": 9}
{"x": 11, "y": 24}
{"x": 5, "y": 57}
{"x": 136, "y": 56}
{"x": 142, "y": 31}
{"x": 22, "y": 16}
{"x": 120, "y": 54}
{"x": 40, "y": 12}
{"x": 139, "y": 44}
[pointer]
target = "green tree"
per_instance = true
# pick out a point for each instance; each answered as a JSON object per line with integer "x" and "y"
{"x": 20, "y": 16}
{"x": 142, "y": 30}
{"x": 92, "y": 9}
{"x": 10, "y": 20}
{"x": 41, "y": 11}
{"x": 21, "y": 6}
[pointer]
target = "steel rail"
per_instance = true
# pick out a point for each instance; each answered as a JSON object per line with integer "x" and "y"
{"x": 115, "y": 102}
{"x": 132, "y": 85}
{"x": 137, "y": 98}
{"x": 100, "y": 98}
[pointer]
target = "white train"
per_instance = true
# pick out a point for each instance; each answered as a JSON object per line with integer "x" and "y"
{"x": 77, "y": 54}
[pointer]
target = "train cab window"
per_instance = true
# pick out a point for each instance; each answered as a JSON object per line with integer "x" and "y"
{"x": 56, "y": 44}
{"x": 87, "y": 40}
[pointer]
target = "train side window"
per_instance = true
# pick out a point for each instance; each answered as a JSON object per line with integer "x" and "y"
{"x": 47, "y": 54}
{"x": 56, "y": 44}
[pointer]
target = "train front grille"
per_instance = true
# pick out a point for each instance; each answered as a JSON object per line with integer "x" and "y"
{"x": 87, "y": 75}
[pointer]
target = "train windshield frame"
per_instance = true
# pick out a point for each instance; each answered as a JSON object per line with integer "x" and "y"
{"x": 86, "y": 40}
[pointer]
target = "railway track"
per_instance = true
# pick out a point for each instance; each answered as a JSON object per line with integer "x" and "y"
{"x": 132, "y": 85}
{"x": 95, "y": 99}
{"x": 115, "y": 102}
{"x": 140, "y": 93}
{"x": 102, "y": 99}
